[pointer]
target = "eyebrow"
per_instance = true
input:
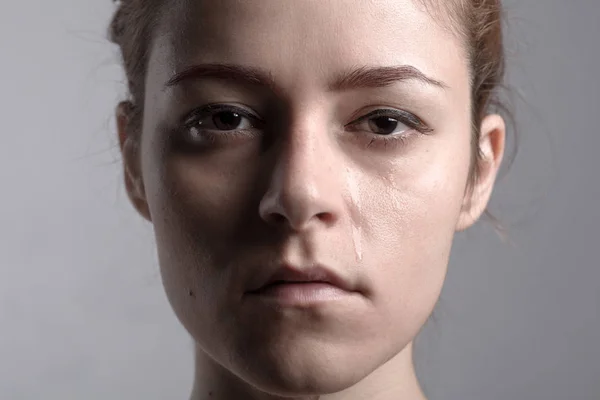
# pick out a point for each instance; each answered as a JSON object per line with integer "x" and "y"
{"x": 373, "y": 77}
{"x": 362, "y": 77}
{"x": 230, "y": 72}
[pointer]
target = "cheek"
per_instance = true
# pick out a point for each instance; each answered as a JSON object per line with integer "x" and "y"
{"x": 204, "y": 197}
{"x": 411, "y": 225}
{"x": 196, "y": 206}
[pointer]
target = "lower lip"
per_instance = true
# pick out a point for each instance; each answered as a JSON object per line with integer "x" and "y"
{"x": 301, "y": 294}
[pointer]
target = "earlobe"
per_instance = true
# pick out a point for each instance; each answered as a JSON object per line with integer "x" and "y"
{"x": 129, "y": 145}
{"x": 491, "y": 149}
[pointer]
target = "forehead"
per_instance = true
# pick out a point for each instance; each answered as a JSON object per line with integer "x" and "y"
{"x": 307, "y": 40}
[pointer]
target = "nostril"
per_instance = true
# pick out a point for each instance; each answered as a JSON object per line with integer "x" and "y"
{"x": 278, "y": 219}
{"x": 326, "y": 217}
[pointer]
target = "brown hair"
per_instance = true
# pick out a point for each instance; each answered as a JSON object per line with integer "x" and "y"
{"x": 478, "y": 22}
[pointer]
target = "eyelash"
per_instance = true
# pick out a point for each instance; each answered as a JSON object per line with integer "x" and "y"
{"x": 191, "y": 121}
{"x": 412, "y": 122}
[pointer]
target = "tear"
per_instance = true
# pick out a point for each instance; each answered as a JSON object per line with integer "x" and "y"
{"x": 355, "y": 215}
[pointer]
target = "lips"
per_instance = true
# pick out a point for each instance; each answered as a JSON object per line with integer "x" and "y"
{"x": 288, "y": 274}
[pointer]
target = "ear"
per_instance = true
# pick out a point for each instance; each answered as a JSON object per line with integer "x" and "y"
{"x": 491, "y": 147}
{"x": 129, "y": 143}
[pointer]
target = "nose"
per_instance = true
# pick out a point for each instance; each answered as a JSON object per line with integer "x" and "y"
{"x": 304, "y": 188}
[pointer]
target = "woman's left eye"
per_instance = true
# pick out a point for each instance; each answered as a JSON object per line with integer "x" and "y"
{"x": 387, "y": 122}
{"x": 385, "y": 125}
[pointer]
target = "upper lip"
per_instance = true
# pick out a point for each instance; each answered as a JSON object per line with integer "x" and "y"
{"x": 314, "y": 273}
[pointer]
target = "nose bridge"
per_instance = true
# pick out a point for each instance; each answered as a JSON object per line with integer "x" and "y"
{"x": 303, "y": 186}
{"x": 306, "y": 156}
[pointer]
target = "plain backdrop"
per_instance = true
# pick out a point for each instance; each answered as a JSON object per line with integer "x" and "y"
{"x": 82, "y": 310}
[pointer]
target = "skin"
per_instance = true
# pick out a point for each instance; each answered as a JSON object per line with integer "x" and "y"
{"x": 306, "y": 185}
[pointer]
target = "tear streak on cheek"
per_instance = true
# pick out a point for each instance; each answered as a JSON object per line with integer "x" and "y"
{"x": 354, "y": 190}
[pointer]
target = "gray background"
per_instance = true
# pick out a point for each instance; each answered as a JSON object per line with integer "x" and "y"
{"x": 82, "y": 312}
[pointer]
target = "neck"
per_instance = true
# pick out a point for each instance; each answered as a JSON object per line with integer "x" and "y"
{"x": 394, "y": 380}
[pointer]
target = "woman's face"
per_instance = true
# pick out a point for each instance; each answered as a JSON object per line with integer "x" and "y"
{"x": 282, "y": 134}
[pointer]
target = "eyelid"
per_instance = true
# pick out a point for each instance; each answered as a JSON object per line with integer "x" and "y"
{"x": 211, "y": 109}
{"x": 407, "y": 118}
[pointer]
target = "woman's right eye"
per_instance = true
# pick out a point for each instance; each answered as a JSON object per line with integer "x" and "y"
{"x": 214, "y": 122}
{"x": 224, "y": 121}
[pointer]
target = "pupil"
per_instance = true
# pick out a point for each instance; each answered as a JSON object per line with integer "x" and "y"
{"x": 227, "y": 120}
{"x": 383, "y": 125}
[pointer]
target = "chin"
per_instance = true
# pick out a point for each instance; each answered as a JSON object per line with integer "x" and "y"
{"x": 294, "y": 370}
{"x": 319, "y": 379}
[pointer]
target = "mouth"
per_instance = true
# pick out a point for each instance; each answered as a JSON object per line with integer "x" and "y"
{"x": 293, "y": 286}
